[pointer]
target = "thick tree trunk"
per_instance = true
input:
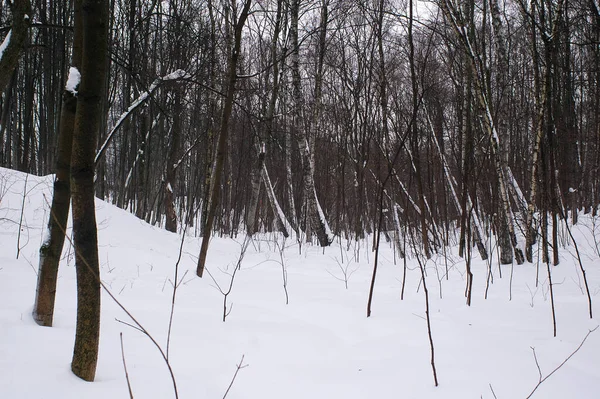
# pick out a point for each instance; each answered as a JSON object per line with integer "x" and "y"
{"x": 51, "y": 249}
{"x": 314, "y": 214}
{"x": 506, "y": 250}
{"x": 87, "y": 122}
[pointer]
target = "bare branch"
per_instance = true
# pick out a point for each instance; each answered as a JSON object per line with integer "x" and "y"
{"x": 543, "y": 379}
{"x": 237, "y": 370}
{"x": 125, "y": 367}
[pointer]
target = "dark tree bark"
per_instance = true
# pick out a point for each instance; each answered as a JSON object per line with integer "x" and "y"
{"x": 415, "y": 136}
{"x": 223, "y": 134}
{"x": 51, "y": 249}
{"x": 85, "y": 234}
{"x": 255, "y": 180}
{"x": 15, "y": 40}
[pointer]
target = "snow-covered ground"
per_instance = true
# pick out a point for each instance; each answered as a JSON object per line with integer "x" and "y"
{"x": 320, "y": 345}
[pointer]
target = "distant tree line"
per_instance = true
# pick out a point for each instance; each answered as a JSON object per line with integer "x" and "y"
{"x": 478, "y": 115}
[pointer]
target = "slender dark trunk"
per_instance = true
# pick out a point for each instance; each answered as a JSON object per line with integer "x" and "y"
{"x": 223, "y": 134}
{"x": 51, "y": 249}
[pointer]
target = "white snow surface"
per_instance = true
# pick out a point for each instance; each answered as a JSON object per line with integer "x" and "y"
{"x": 73, "y": 80}
{"x": 5, "y": 43}
{"x": 321, "y": 345}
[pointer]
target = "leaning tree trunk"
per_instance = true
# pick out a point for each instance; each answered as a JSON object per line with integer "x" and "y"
{"x": 51, "y": 249}
{"x": 85, "y": 234}
{"x": 223, "y": 134}
{"x": 281, "y": 222}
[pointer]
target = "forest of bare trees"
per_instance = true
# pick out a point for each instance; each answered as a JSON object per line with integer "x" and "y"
{"x": 471, "y": 123}
{"x": 443, "y": 120}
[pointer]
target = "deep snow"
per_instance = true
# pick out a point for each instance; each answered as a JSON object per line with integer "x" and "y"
{"x": 320, "y": 345}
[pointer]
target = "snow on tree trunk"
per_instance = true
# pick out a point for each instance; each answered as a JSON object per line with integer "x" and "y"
{"x": 507, "y": 219}
{"x": 478, "y": 229}
{"x": 85, "y": 234}
{"x": 141, "y": 100}
{"x": 52, "y": 246}
{"x": 281, "y": 222}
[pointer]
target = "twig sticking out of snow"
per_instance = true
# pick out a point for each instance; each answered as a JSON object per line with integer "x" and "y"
{"x": 240, "y": 366}
{"x": 537, "y": 364}
{"x": 136, "y": 324}
{"x": 176, "y": 284}
{"x": 238, "y": 265}
{"x": 125, "y": 367}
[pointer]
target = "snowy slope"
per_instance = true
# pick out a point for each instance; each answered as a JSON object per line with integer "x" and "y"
{"x": 320, "y": 345}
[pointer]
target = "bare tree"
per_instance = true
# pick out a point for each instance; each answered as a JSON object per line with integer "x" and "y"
{"x": 85, "y": 131}
{"x": 51, "y": 248}
{"x": 223, "y": 133}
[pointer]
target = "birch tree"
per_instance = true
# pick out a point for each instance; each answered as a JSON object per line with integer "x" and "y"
{"x": 453, "y": 15}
